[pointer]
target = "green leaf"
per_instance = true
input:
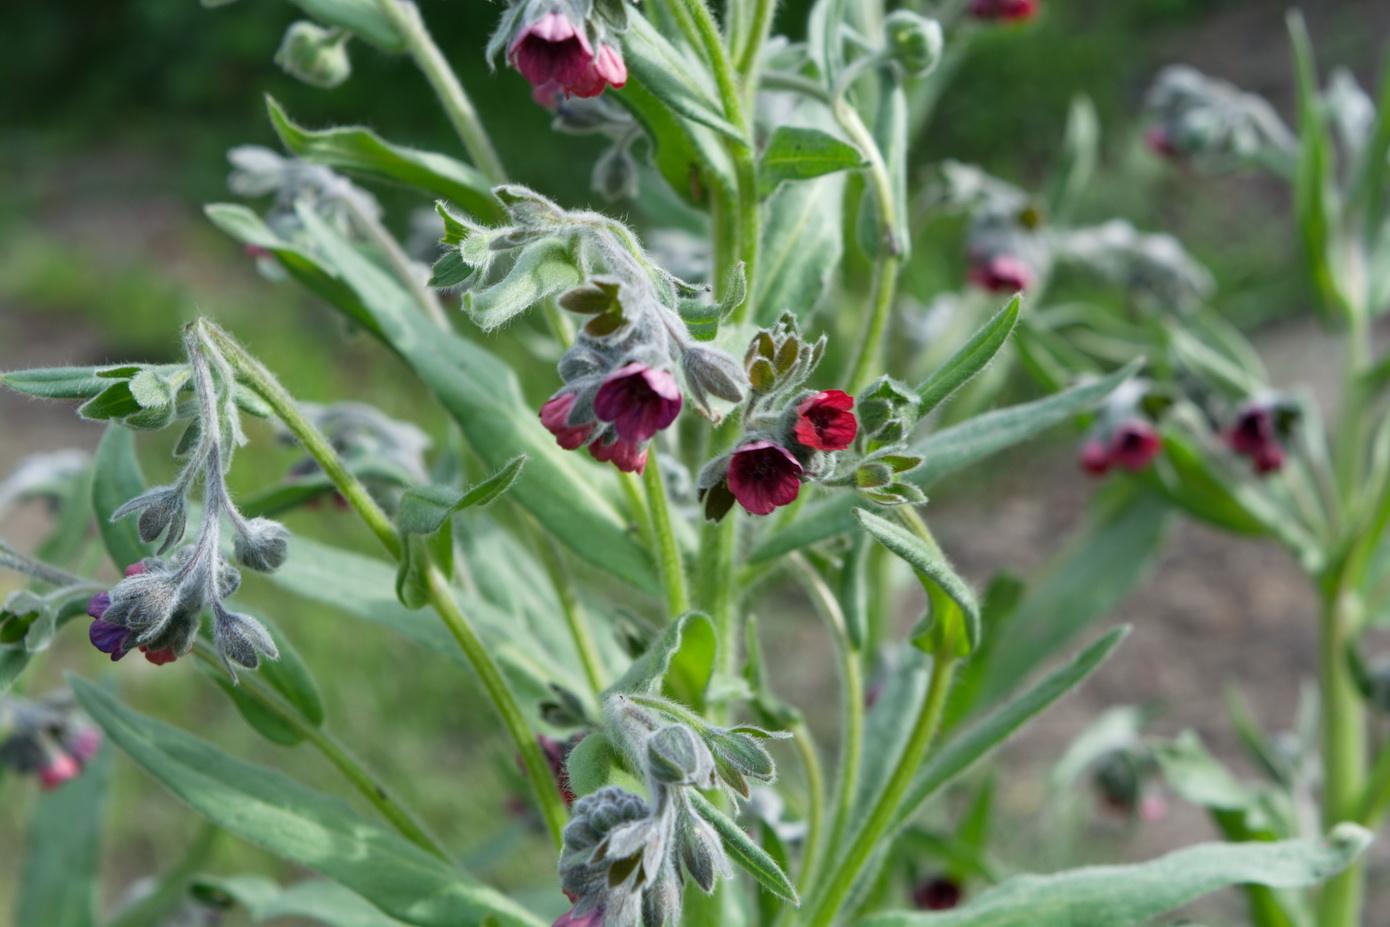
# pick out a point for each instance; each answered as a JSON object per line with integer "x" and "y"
{"x": 1125, "y": 896}
{"x": 288, "y": 676}
{"x": 672, "y": 76}
{"x": 801, "y": 249}
{"x": 61, "y": 875}
{"x": 12, "y": 663}
{"x": 1197, "y": 777}
{"x": 424, "y": 509}
{"x": 1080, "y": 151}
{"x": 885, "y": 733}
{"x": 363, "y": 18}
{"x": 692, "y": 633}
{"x": 116, "y": 480}
{"x": 116, "y": 401}
{"x": 359, "y": 150}
{"x": 973, "y": 357}
{"x": 450, "y": 270}
{"x": 324, "y": 902}
{"x": 744, "y": 851}
{"x": 959, "y": 612}
{"x": 966, "y": 749}
{"x": 690, "y": 156}
{"x": 800, "y": 153}
{"x": 541, "y": 270}
{"x": 300, "y": 824}
{"x": 57, "y": 382}
{"x": 588, "y": 765}
{"x": 1093, "y": 572}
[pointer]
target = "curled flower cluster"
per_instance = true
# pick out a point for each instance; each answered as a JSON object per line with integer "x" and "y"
{"x": 564, "y": 48}
{"x": 47, "y": 737}
{"x": 1156, "y": 268}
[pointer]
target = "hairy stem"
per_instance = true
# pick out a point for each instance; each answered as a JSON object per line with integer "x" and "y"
{"x": 1344, "y": 752}
{"x": 14, "y": 560}
{"x": 405, "y": 269}
{"x": 405, "y": 16}
{"x": 352, "y": 769}
{"x": 815, "y": 806}
{"x": 667, "y": 549}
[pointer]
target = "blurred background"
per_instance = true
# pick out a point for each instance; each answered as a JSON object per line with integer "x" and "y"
{"x": 115, "y": 117}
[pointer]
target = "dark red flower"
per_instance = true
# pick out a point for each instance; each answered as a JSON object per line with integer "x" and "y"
{"x": 555, "y": 56}
{"x": 824, "y": 421}
{"x": 1160, "y": 142}
{"x": 638, "y": 400}
{"x": 58, "y": 768}
{"x": 1256, "y": 435}
{"x": 627, "y": 456}
{"x": 1004, "y": 10}
{"x": 937, "y": 894}
{"x": 1002, "y": 273}
{"x": 1134, "y": 444}
{"x": 763, "y": 475}
{"x": 1095, "y": 457}
{"x": 553, "y": 415}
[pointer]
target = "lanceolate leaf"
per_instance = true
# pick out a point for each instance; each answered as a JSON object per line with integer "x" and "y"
{"x": 802, "y": 245}
{"x": 58, "y": 888}
{"x": 302, "y": 825}
{"x": 116, "y": 479}
{"x": 57, "y": 382}
{"x": 800, "y": 153}
{"x": 1127, "y": 896}
{"x": 644, "y": 676}
{"x": 673, "y": 77}
{"x": 359, "y": 150}
{"x": 970, "y": 746}
{"x": 315, "y": 900}
{"x": 973, "y": 357}
{"x": 744, "y": 851}
{"x": 424, "y": 509}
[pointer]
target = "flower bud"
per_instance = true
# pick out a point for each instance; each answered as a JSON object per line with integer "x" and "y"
{"x": 914, "y": 41}
{"x": 241, "y": 639}
{"x": 315, "y": 55}
{"x": 712, "y": 371}
{"x": 161, "y": 513}
{"x": 939, "y": 893}
{"x": 675, "y": 756}
{"x": 262, "y": 546}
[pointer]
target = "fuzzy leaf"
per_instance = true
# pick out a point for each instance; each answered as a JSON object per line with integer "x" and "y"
{"x": 1126, "y": 896}
{"x": 800, "y": 153}
{"x": 682, "y": 658}
{"x": 672, "y": 77}
{"x": 61, "y": 875}
{"x": 424, "y": 509}
{"x": 300, "y": 824}
{"x": 540, "y": 271}
{"x": 58, "y": 382}
{"x": 363, "y": 18}
{"x": 315, "y": 900}
{"x": 744, "y": 851}
{"x": 972, "y": 358}
{"x": 801, "y": 249}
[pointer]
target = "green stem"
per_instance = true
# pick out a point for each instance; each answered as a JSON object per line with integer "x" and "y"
{"x": 406, "y": 270}
{"x": 405, "y": 16}
{"x": 637, "y": 508}
{"x": 1377, "y": 798}
{"x": 815, "y": 806}
{"x": 718, "y": 543}
{"x": 548, "y": 796}
{"x": 259, "y": 378}
{"x": 1350, "y": 438}
{"x": 746, "y": 61}
{"x": 875, "y": 829}
{"x": 871, "y": 339}
{"x": 667, "y": 549}
{"x": 1344, "y": 752}
{"x": 351, "y": 768}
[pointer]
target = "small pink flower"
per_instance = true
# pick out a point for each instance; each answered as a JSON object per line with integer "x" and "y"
{"x": 627, "y": 456}
{"x": 553, "y": 416}
{"x": 570, "y": 919}
{"x": 554, "y": 54}
{"x": 1095, "y": 457}
{"x": 59, "y": 768}
{"x": 1134, "y": 444}
{"x": 638, "y": 400}
{"x": 763, "y": 476}
{"x": 1004, "y": 10}
{"x": 824, "y": 421}
{"x": 1002, "y": 273}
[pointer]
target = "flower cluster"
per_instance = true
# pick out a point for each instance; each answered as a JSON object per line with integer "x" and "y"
{"x": 1123, "y": 435}
{"x": 158, "y": 606}
{"x": 1195, "y": 116}
{"x": 47, "y": 737}
{"x": 564, "y": 48}
{"x": 790, "y": 434}
{"x": 1260, "y": 427}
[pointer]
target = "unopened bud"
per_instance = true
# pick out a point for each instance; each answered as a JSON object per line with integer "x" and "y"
{"x": 315, "y": 55}
{"x": 914, "y": 41}
{"x": 263, "y": 546}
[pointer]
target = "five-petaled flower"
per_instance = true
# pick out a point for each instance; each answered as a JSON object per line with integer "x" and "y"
{"x": 638, "y": 400}
{"x": 824, "y": 421}
{"x": 554, "y": 54}
{"x": 763, "y": 476}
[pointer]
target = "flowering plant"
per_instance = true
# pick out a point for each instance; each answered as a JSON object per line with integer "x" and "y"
{"x": 666, "y": 419}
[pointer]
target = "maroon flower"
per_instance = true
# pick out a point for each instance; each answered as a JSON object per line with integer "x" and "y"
{"x": 553, "y": 416}
{"x": 638, "y": 400}
{"x": 937, "y": 894}
{"x": 111, "y": 638}
{"x": 1095, "y": 457}
{"x": 555, "y": 56}
{"x": 762, "y": 476}
{"x": 1134, "y": 444}
{"x": 1160, "y": 142}
{"x": 1255, "y": 435}
{"x": 58, "y": 767}
{"x": 627, "y": 456}
{"x": 1002, "y": 273}
{"x": 1004, "y": 10}
{"x": 824, "y": 421}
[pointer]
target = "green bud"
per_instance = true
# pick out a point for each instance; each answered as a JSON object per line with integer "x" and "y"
{"x": 914, "y": 41}
{"x": 315, "y": 55}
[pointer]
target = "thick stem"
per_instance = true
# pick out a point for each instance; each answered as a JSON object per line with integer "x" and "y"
{"x": 351, "y": 768}
{"x": 875, "y": 829}
{"x": 1344, "y": 752}
{"x": 405, "y": 15}
{"x": 667, "y": 549}
{"x": 548, "y": 796}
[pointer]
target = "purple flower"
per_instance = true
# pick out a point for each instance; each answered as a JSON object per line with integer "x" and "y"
{"x": 554, "y": 54}
{"x": 1256, "y": 435}
{"x": 109, "y": 637}
{"x": 762, "y": 476}
{"x": 638, "y": 400}
{"x": 553, "y": 416}
{"x": 570, "y": 919}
